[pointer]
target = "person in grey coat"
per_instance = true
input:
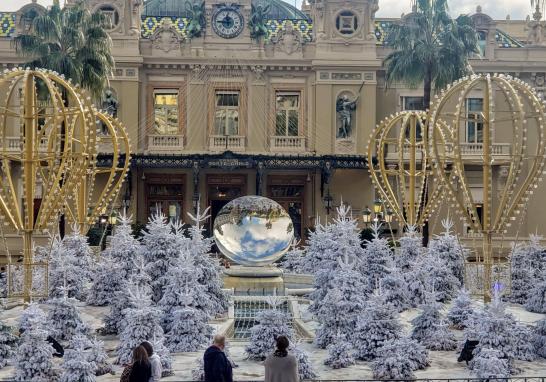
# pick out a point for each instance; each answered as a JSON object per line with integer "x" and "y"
{"x": 281, "y": 366}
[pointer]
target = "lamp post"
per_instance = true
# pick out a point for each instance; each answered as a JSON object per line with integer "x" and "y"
{"x": 367, "y": 216}
{"x": 328, "y": 200}
{"x": 378, "y": 206}
{"x": 388, "y": 215}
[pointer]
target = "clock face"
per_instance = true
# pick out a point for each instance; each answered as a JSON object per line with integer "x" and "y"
{"x": 227, "y": 22}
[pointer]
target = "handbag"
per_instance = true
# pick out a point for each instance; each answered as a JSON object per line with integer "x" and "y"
{"x": 126, "y": 373}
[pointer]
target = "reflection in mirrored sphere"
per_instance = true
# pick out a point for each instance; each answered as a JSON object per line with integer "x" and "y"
{"x": 253, "y": 231}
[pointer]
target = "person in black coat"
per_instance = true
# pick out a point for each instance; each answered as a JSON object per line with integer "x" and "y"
{"x": 217, "y": 366}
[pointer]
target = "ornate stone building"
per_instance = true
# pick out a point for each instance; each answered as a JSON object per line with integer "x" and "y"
{"x": 258, "y": 97}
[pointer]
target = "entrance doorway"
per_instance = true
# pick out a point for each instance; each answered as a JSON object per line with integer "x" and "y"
{"x": 221, "y": 189}
{"x": 289, "y": 192}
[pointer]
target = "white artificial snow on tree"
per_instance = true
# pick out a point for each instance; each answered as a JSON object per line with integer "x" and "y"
{"x": 395, "y": 289}
{"x": 77, "y": 366}
{"x": 416, "y": 283}
{"x": 449, "y": 249}
{"x": 124, "y": 249}
{"x": 64, "y": 320}
{"x": 377, "y": 324}
{"x": 342, "y": 304}
{"x": 99, "y": 357}
{"x": 305, "y": 367}
{"x": 524, "y": 349}
{"x": 198, "y": 372}
{"x": 430, "y": 329}
{"x": 438, "y": 273}
{"x": 271, "y": 323}
{"x": 210, "y": 273}
{"x": 411, "y": 247}
{"x": 109, "y": 277}
{"x": 8, "y": 343}
{"x": 521, "y": 273}
{"x": 142, "y": 324}
{"x": 378, "y": 259}
{"x": 539, "y": 338}
{"x": 390, "y": 363}
{"x": 536, "y": 301}
{"x": 293, "y": 260}
{"x": 488, "y": 364}
{"x": 34, "y": 356}
{"x": 340, "y": 354}
{"x": 161, "y": 243}
{"x": 189, "y": 330}
{"x": 461, "y": 310}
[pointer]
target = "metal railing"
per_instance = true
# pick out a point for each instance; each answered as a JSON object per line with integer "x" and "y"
{"x": 515, "y": 379}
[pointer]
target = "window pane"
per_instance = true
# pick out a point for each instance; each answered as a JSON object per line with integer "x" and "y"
{"x": 471, "y": 132}
{"x": 293, "y": 123}
{"x": 166, "y": 113}
{"x": 232, "y": 122}
{"x": 479, "y": 132}
{"x": 219, "y": 122}
{"x": 413, "y": 103}
{"x": 280, "y": 123}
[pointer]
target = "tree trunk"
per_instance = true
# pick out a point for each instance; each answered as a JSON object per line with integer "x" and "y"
{"x": 426, "y": 104}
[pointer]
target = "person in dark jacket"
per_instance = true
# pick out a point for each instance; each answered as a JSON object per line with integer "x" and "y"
{"x": 141, "y": 368}
{"x": 467, "y": 354}
{"x": 217, "y": 366}
{"x": 59, "y": 350}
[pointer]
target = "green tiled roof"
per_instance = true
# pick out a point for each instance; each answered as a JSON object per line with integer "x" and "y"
{"x": 7, "y": 24}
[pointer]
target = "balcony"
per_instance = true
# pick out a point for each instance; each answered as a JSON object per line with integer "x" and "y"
{"x": 227, "y": 143}
{"x": 166, "y": 144}
{"x": 287, "y": 144}
{"x": 469, "y": 151}
{"x": 13, "y": 144}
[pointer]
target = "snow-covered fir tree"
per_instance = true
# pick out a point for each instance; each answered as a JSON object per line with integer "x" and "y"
{"x": 70, "y": 265}
{"x": 390, "y": 363}
{"x": 189, "y": 330}
{"x": 430, "y": 328}
{"x": 417, "y": 354}
{"x": 342, "y": 304}
{"x": 271, "y": 323}
{"x": 461, "y": 310}
{"x": 305, "y": 367}
{"x": 416, "y": 282}
{"x": 210, "y": 273}
{"x": 34, "y": 356}
{"x": 98, "y": 355}
{"x": 377, "y": 324}
{"x": 395, "y": 289}
{"x": 448, "y": 248}
{"x": 142, "y": 324}
{"x": 77, "y": 366}
{"x": 8, "y": 343}
{"x": 436, "y": 272}
{"x": 521, "y": 273}
{"x": 320, "y": 248}
{"x": 537, "y": 257}
{"x": 198, "y": 372}
{"x": 124, "y": 249}
{"x": 108, "y": 279}
{"x": 162, "y": 244}
{"x": 539, "y": 338}
{"x": 536, "y": 301}
{"x": 411, "y": 247}
{"x": 292, "y": 261}
{"x": 378, "y": 259}
{"x": 524, "y": 349}
{"x": 489, "y": 364}
{"x": 340, "y": 353}
{"x": 64, "y": 320}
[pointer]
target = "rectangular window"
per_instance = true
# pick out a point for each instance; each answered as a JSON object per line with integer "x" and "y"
{"x": 474, "y": 120}
{"x": 287, "y": 114}
{"x": 226, "y": 117}
{"x": 166, "y": 112}
{"x": 413, "y": 103}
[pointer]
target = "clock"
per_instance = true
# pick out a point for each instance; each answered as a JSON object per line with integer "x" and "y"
{"x": 227, "y": 22}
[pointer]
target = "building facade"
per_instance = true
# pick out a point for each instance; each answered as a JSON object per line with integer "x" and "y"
{"x": 258, "y": 97}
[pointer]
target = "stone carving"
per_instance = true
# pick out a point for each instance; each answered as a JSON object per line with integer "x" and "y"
{"x": 344, "y": 111}
{"x": 257, "y": 21}
{"x": 535, "y": 27}
{"x": 110, "y": 103}
{"x": 196, "y": 12}
{"x": 166, "y": 37}
{"x": 135, "y": 16}
{"x": 288, "y": 40}
{"x": 258, "y": 71}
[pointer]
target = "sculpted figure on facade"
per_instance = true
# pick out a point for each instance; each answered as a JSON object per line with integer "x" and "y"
{"x": 135, "y": 16}
{"x": 196, "y": 12}
{"x": 288, "y": 40}
{"x": 258, "y": 20}
{"x": 345, "y": 109}
{"x": 166, "y": 37}
{"x": 110, "y": 103}
{"x": 536, "y": 32}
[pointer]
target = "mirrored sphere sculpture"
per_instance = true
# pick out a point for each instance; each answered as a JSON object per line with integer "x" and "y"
{"x": 253, "y": 231}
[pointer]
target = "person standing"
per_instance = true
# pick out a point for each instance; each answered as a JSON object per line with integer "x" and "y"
{"x": 155, "y": 361}
{"x": 281, "y": 366}
{"x": 217, "y": 366}
{"x": 141, "y": 369}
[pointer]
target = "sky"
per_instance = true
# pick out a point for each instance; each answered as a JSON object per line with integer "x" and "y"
{"x": 498, "y": 9}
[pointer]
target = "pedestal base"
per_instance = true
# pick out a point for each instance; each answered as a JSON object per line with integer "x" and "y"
{"x": 252, "y": 281}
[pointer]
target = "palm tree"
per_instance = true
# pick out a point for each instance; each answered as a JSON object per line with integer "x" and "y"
{"x": 70, "y": 41}
{"x": 430, "y": 48}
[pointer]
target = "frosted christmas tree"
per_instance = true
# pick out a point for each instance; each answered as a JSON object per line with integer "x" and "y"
{"x": 292, "y": 261}
{"x": 411, "y": 247}
{"x": 449, "y": 249}
{"x": 198, "y": 372}
{"x": 64, "y": 320}
{"x": 305, "y": 368}
{"x": 162, "y": 244}
{"x": 376, "y": 325}
{"x": 536, "y": 301}
{"x": 461, "y": 310}
{"x": 521, "y": 273}
{"x": 395, "y": 289}
{"x": 437, "y": 272}
{"x": 8, "y": 343}
{"x": 524, "y": 349}
{"x": 321, "y": 248}
{"x": 124, "y": 249}
{"x": 342, "y": 305}
{"x": 34, "y": 356}
{"x": 416, "y": 282}
{"x": 388, "y": 363}
{"x": 142, "y": 324}
{"x": 539, "y": 338}
{"x": 77, "y": 366}
{"x": 271, "y": 323}
{"x": 109, "y": 278}
{"x": 99, "y": 357}
{"x": 210, "y": 273}
{"x": 489, "y": 364}
{"x": 431, "y": 330}
{"x": 378, "y": 259}
{"x": 340, "y": 353}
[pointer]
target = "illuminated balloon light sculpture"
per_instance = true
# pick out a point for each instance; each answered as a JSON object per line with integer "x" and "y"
{"x": 46, "y": 144}
{"x": 89, "y": 204}
{"x": 402, "y": 181}
{"x": 512, "y": 114}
